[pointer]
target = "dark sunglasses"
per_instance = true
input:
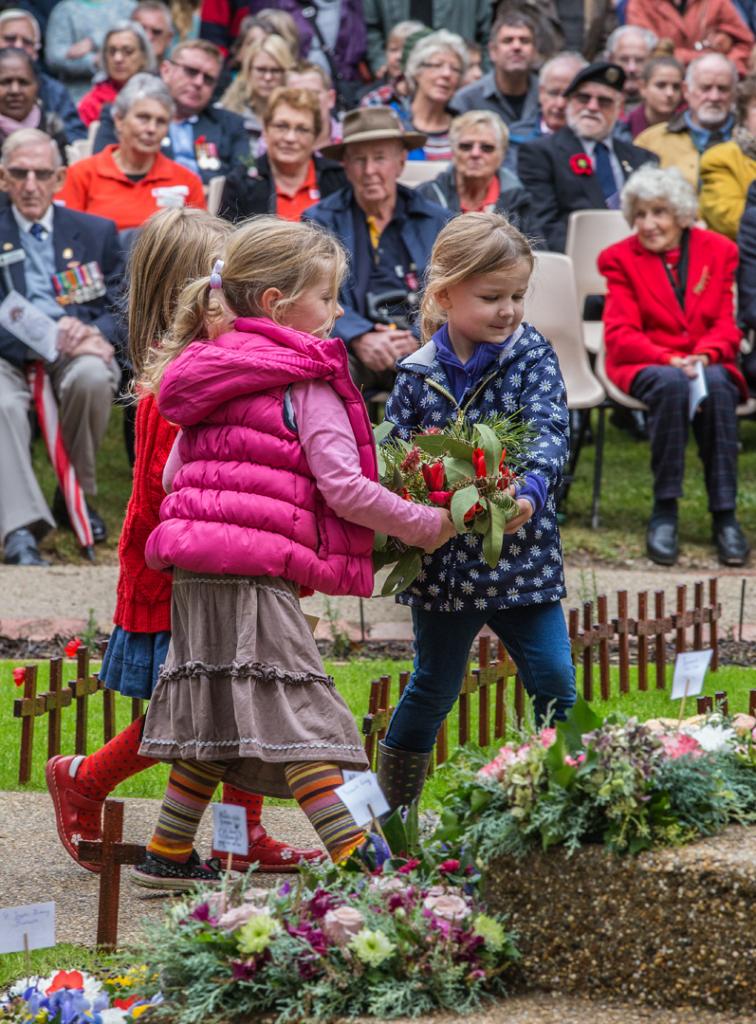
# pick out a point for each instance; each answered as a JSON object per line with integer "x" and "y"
{"x": 190, "y": 72}
{"x": 21, "y": 173}
{"x": 484, "y": 147}
{"x": 604, "y": 102}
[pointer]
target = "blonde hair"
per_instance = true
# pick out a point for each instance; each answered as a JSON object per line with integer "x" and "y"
{"x": 172, "y": 249}
{"x": 479, "y": 119}
{"x": 239, "y": 94}
{"x": 470, "y": 244}
{"x": 263, "y": 252}
{"x": 303, "y": 100}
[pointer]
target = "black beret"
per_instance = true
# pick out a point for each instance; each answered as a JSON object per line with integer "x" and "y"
{"x": 602, "y": 71}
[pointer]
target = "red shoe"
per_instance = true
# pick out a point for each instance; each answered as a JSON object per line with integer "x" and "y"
{"x": 270, "y": 855}
{"x": 77, "y": 816}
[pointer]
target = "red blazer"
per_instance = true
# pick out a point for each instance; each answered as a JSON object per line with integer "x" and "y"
{"x": 643, "y": 322}
{"x": 144, "y": 595}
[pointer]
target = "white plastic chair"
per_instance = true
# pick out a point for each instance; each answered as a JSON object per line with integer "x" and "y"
{"x": 416, "y": 172}
{"x": 78, "y": 150}
{"x": 551, "y": 305}
{"x": 215, "y": 193}
{"x": 588, "y": 233}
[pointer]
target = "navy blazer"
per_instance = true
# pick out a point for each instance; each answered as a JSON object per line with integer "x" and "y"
{"x": 423, "y": 222}
{"x": 556, "y": 189}
{"x": 88, "y": 238}
{"x": 221, "y": 127}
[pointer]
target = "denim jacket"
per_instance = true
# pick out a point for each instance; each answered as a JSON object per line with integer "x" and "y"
{"x": 525, "y": 378}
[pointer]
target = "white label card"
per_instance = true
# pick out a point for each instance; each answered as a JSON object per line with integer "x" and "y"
{"x": 28, "y": 324}
{"x": 363, "y": 797}
{"x": 36, "y": 921}
{"x": 230, "y": 829}
{"x": 690, "y": 669}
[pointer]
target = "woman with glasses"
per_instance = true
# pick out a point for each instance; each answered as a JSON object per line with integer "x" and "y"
{"x": 130, "y": 180}
{"x": 125, "y": 51}
{"x": 263, "y": 69}
{"x": 20, "y": 104}
{"x": 477, "y": 180}
{"x": 288, "y": 178}
{"x": 434, "y": 71}
{"x": 73, "y": 37}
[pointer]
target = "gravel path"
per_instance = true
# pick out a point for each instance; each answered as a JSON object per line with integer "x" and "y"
{"x": 34, "y": 866}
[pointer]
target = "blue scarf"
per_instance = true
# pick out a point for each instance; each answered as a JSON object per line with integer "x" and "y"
{"x": 464, "y": 375}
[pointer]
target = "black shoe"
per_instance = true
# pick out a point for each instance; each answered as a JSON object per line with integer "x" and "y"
{"x": 661, "y": 541}
{"x": 401, "y": 775}
{"x": 731, "y": 544}
{"x": 159, "y": 873}
{"x": 20, "y": 548}
{"x": 59, "y": 510}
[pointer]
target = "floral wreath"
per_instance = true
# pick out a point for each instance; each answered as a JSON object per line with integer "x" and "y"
{"x": 580, "y": 163}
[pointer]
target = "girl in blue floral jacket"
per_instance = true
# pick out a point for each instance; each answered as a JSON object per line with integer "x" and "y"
{"x": 481, "y": 359}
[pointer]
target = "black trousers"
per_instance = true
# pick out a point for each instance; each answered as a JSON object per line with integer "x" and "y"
{"x": 665, "y": 390}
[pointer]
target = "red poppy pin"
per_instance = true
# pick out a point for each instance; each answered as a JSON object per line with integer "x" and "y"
{"x": 580, "y": 163}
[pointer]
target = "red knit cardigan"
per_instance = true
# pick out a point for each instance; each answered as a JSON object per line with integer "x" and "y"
{"x": 144, "y": 595}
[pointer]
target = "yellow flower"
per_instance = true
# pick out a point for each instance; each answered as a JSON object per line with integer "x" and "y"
{"x": 371, "y": 947}
{"x": 489, "y": 929}
{"x": 255, "y": 934}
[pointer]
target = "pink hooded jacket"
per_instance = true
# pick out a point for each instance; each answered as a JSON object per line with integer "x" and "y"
{"x": 245, "y": 501}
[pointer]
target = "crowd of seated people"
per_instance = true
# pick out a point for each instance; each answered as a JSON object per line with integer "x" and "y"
{"x": 380, "y": 120}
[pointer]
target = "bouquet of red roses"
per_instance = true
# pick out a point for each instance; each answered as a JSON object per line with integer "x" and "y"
{"x": 471, "y": 469}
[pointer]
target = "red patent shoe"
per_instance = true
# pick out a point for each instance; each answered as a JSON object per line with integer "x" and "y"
{"x": 77, "y": 816}
{"x": 271, "y": 855}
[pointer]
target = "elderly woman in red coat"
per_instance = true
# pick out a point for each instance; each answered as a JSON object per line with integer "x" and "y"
{"x": 669, "y": 320}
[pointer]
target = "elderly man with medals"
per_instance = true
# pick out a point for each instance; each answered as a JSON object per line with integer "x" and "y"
{"x": 60, "y": 271}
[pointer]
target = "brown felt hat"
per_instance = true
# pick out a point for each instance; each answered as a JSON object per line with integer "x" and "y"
{"x": 371, "y": 124}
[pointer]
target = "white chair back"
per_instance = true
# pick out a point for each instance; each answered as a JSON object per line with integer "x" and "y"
{"x": 215, "y": 193}
{"x": 78, "y": 150}
{"x": 551, "y": 306}
{"x": 620, "y": 397}
{"x": 416, "y": 172}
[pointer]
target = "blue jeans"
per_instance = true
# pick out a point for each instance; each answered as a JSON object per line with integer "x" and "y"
{"x": 536, "y": 639}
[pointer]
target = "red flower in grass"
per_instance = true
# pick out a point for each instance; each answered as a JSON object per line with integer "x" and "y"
{"x": 65, "y": 979}
{"x": 19, "y": 676}
{"x": 433, "y": 475}
{"x": 580, "y": 163}
{"x": 479, "y": 462}
{"x": 72, "y": 647}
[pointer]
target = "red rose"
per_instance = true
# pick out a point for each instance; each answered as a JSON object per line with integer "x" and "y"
{"x": 580, "y": 163}
{"x": 19, "y": 676}
{"x": 479, "y": 462}
{"x": 72, "y": 647}
{"x": 433, "y": 475}
{"x": 440, "y": 498}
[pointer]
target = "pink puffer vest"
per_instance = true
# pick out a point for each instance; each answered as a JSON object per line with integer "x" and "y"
{"x": 245, "y": 501}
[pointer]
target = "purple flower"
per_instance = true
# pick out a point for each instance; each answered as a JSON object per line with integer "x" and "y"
{"x": 201, "y": 913}
{"x": 321, "y": 903}
{"x": 243, "y": 970}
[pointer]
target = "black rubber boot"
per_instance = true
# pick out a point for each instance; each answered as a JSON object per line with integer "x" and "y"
{"x": 401, "y": 774}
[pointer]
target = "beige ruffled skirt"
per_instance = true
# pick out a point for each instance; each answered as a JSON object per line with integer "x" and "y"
{"x": 244, "y": 683}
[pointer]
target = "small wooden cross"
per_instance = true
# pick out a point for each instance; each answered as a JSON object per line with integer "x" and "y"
{"x": 111, "y": 852}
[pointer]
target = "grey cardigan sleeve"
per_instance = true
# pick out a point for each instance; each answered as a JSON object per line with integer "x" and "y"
{"x": 60, "y": 36}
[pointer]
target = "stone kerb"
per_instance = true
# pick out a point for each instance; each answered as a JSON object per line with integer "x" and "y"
{"x": 670, "y": 927}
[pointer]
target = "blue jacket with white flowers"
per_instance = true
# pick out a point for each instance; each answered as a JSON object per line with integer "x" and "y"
{"x": 525, "y": 378}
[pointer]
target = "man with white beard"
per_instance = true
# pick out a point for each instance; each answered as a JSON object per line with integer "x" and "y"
{"x": 580, "y": 167}
{"x": 709, "y": 90}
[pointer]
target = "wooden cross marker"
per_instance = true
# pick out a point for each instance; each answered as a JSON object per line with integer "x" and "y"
{"x": 111, "y": 852}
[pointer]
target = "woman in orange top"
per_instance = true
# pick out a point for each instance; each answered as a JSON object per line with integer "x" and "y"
{"x": 128, "y": 182}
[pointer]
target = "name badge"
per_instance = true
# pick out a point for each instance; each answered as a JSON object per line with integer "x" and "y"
{"x": 173, "y": 196}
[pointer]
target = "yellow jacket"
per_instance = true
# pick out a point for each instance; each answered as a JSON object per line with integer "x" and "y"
{"x": 726, "y": 173}
{"x": 673, "y": 145}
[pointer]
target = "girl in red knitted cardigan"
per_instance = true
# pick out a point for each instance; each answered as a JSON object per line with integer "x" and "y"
{"x": 174, "y": 248}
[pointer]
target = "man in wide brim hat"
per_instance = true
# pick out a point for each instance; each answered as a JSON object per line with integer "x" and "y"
{"x": 389, "y": 231}
{"x": 372, "y": 124}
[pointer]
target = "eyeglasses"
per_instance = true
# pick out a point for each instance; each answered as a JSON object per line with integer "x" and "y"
{"x": 604, "y": 102}
{"x": 468, "y": 147}
{"x": 155, "y": 33}
{"x": 127, "y": 51}
{"x": 282, "y": 128}
{"x": 266, "y": 72}
{"x": 19, "y": 41}
{"x": 442, "y": 65}
{"x": 190, "y": 72}
{"x": 22, "y": 173}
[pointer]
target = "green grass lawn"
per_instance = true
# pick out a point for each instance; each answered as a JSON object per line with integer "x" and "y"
{"x": 353, "y": 681}
{"x": 625, "y": 499}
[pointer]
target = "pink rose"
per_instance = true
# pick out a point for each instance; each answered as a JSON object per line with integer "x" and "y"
{"x": 679, "y": 744}
{"x": 448, "y": 908}
{"x": 342, "y": 924}
{"x": 237, "y": 916}
{"x": 388, "y": 884}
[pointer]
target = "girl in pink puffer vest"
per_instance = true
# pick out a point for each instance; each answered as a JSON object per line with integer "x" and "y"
{"x": 272, "y": 491}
